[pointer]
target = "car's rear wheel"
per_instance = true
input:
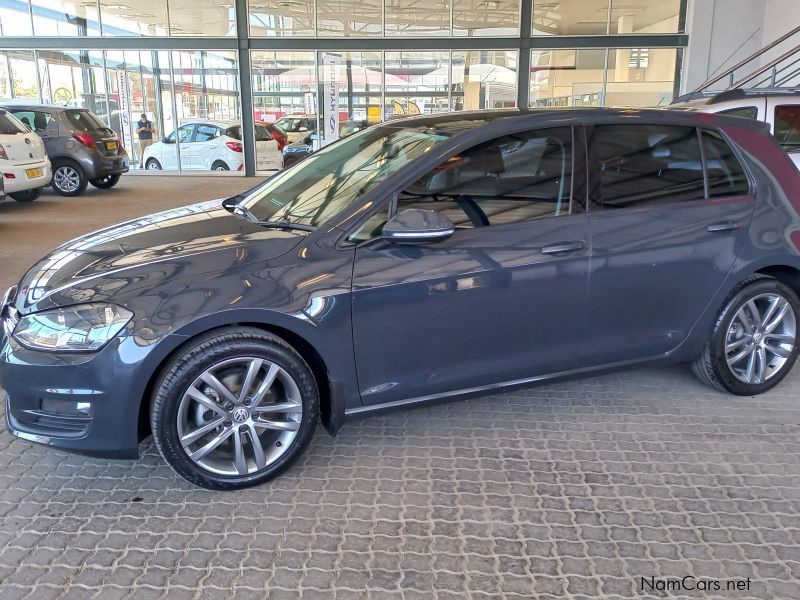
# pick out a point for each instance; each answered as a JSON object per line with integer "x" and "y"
{"x": 754, "y": 342}
{"x": 289, "y": 161}
{"x": 68, "y": 179}
{"x": 27, "y": 195}
{"x": 234, "y": 409}
{"x": 106, "y": 182}
{"x": 219, "y": 166}
{"x": 152, "y": 165}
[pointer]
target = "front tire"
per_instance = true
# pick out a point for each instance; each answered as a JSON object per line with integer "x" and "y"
{"x": 68, "y": 179}
{"x": 27, "y": 195}
{"x": 152, "y": 165}
{"x": 234, "y": 409}
{"x": 754, "y": 342}
{"x": 106, "y": 182}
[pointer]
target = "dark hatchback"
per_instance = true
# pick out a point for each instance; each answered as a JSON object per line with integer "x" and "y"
{"x": 81, "y": 147}
{"x": 411, "y": 262}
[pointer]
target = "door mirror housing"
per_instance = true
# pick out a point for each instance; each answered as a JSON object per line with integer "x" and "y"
{"x": 166, "y": 140}
{"x": 417, "y": 226}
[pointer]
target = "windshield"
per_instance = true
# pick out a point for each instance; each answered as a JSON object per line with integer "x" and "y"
{"x": 329, "y": 180}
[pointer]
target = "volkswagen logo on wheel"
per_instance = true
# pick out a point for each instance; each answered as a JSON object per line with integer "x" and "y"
{"x": 240, "y": 415}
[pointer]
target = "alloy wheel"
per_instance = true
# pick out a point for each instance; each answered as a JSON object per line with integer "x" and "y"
{"x": 760, "y": 338}
{"x": 66, "y": 179}
{"x": 239, "y": 416}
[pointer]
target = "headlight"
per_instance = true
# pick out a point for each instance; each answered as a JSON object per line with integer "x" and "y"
{"x": 84, "y": 327}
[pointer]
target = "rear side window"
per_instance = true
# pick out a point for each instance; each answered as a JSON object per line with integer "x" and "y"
{"x": 206, "y": 133}
{"x": 234, "y": 132}
{"x": 787, "y": 126}
{"x": 37, "y": 120}
{"x": 84, "y": 120}
{"x": 9, "y": 125}
{"x": 746, "y": 112}
{"x": 725, "y": 174}
{"x": 648, "y": 164}
{"x": 518, "y": 177}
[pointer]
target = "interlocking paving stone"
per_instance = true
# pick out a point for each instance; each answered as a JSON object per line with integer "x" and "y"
{"x": 573, "y": 489}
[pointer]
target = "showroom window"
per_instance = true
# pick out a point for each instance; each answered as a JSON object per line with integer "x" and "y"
{"x": 598, "y": 17}
{"x": 645, "y": 165}
{"x": 483, "y": 79}
{"x": 518, "y": 177}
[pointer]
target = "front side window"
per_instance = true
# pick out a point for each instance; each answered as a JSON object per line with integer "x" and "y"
{"x": 642, "y": 165}
{"x": 746, "y": 112}
{"x": 787, "y": 126}
{"x": 514, "y": 178}
{"x": 185, "y": 133}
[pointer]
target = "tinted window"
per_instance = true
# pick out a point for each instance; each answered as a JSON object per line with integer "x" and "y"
{"x": 206, "y": 133}
{"x": 725, "y": 174}
{"x": 648, "y": 164}
{"x": 787, "y": 126}
{"x": 747, "y": 112}
{"x": 84, "y": 120}
{"x": 515, "y": 178}
{"x": 9, "y": 125}
{"x": 38, "y": 120}
{"x": 262, "y": 134}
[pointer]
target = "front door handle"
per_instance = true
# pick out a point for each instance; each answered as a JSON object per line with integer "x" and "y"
{"x": 724, "y": 226}
{"x": 564, "y": 247}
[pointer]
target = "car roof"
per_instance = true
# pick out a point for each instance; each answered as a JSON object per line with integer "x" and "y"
{"x": 706, "y": 98}
{"x": 223, "y": 124}
{"x": 13, "y": 104}
{"x": 463, "y": 120}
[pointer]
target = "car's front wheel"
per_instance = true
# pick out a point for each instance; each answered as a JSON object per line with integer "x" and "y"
{"x": 152, "y": 165}
{"x": 754, "y": 342}
{"x": 234, "y": 409}
{"x": 106, "y": 182}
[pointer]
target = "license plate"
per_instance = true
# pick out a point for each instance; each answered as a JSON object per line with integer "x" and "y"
{"x": 33, "y": 173}
{"x": 111, "y": 145}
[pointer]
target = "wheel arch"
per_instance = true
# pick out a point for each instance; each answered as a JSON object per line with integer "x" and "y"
{"x": 330, "y": 391}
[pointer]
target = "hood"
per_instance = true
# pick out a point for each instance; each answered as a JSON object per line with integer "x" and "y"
{"x": 182, "y": 242}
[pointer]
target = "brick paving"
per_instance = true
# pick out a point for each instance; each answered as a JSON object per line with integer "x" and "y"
{"x": 567, "y": 490}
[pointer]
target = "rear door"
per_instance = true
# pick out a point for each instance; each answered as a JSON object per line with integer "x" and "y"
{"x": 205, "y": 148}
{"x": 663, "y": 238}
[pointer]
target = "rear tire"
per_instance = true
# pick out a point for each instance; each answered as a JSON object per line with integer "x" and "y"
{"x": 220, "y": 166}
{"x": 753, "y": 345}
{"x": 106, "y": 182}
{"x": 27, "y": 195}
{"x": 68, "y": 178}
{"x": 215, "y": 436}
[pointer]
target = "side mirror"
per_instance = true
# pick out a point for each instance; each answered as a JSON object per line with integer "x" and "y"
{"x": 166, "y": 140}
{"x": 416, "y": 226}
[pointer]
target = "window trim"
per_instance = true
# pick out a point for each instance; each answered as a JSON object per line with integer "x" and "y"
{"x": 595, "y": 202}
{"x": 579, "y": 170}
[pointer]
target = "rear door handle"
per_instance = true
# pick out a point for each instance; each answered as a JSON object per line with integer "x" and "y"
{"x": 725, "y": 226}
{"x": 564, "y": 247}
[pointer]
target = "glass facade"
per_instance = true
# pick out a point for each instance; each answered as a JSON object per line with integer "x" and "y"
{"x": 178, "y": 61}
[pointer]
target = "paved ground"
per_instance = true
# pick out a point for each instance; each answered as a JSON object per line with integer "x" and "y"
{"x": 569, "y": 490}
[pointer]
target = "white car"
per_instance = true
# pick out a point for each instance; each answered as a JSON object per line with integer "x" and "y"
{"x": 211, "y": 146}
{"x": 778, "y": 107}
{"x": 23, "y": 159}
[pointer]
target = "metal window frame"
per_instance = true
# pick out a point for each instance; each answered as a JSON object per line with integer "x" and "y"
{"x": 243, "y": 44}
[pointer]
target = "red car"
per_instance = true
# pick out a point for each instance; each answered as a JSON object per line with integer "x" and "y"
{"x": 276, "y": 132}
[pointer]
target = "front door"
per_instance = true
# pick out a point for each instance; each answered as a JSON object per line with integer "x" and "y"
{"x": 503, "y": 298}
{"x": 663, "y": 238}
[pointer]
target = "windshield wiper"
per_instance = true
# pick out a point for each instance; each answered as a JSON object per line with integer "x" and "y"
{"x": 287, "y": 225}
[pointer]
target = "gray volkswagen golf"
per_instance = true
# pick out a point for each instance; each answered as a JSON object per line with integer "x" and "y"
{"x": 414, "y": 261}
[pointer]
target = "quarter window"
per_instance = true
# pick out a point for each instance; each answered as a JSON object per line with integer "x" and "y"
{"x": 644, "y": 165}
{"x": 746, "y": 112}
{"x": 787, "y": 126}
{"x": 725, "y": 174}
{"x": 515, "y": 178}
